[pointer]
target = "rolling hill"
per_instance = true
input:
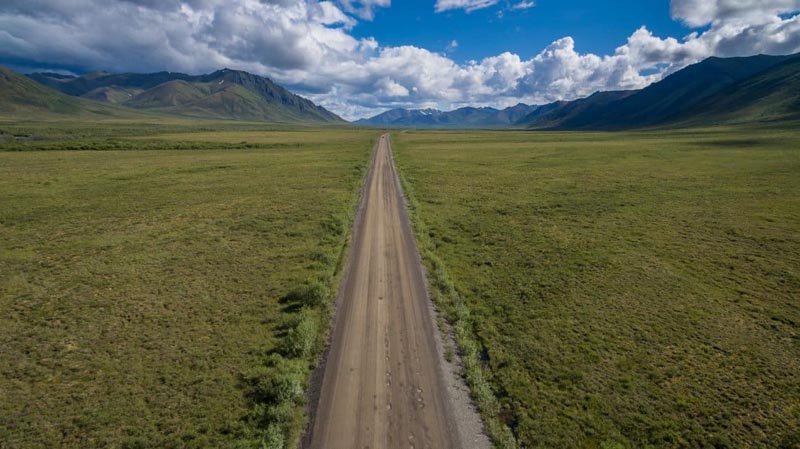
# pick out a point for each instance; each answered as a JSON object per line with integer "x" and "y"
{"x": 225, "y": 94}
{"x": 22, "y": 97}
{"x": 468, "y": 117}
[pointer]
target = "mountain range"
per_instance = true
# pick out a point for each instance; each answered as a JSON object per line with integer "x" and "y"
{"x": 714, "y": 91}
{"x": 224, "y": 94}
{"x": 468, "y": 117}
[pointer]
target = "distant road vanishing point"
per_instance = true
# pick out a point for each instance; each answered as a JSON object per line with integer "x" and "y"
{"x": 383, "y": 386}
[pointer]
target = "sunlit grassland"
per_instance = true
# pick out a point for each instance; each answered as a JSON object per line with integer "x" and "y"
{"x": 137, "y": 287}
{"x": 627, "y": 290}
{"x": 159, "y": 133}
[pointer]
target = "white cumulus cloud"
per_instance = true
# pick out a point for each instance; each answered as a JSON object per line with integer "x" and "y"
{"x": 308, "y": 46}
{"x": 466, "y": 5}
{"x": 523, "y": 5}
{"x": 702, "y": 12}
{"x": 364, "y": 8}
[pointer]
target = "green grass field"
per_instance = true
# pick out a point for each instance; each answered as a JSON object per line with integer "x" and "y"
{"x": 166, "y": 283}
{"x": 620, "y": 290}
{"x": 141, "y": 291}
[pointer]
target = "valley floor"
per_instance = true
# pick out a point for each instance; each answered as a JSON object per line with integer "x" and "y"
{"x": 625, "y": 290}
{"x": 168, "y": 284}
{"x": 141, "y": 291}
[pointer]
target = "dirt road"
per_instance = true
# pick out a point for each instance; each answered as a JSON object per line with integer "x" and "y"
{"x": 382, "y": 385}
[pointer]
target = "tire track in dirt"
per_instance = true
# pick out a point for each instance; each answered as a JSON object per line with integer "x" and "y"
{"x": 383, "y": 386}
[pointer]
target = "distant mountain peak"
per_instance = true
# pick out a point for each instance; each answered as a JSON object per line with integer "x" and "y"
{"x": 466, "y": 117}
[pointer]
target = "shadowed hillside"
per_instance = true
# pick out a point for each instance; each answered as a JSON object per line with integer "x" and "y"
{"x": 467, "y": 117}
{"x": 713, "y": 91}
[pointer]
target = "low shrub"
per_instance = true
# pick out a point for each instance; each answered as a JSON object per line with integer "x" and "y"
{"x": 273, "y": 438}
{"x": 313, "y": 293}
{"x": 302, "y": 336}
{"x": 280, "y": 380}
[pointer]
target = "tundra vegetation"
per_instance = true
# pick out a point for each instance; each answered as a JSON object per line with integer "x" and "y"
{"x": 169, "y": 298}
{"x": 168, "y": 283}
{"x": 618, "y": 290}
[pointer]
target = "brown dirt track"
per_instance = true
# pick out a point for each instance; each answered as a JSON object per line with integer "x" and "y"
{"x": 383, "y": 386}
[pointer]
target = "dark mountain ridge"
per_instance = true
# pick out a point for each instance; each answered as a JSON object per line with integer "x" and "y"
{"x": 713, "y": 91}
{"x": 689, "y": 92}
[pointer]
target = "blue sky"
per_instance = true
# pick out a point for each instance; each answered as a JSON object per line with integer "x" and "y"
{"x": 595, "y": 26}
{"x": 362, "y": 57}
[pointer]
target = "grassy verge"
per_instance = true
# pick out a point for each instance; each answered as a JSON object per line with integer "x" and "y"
{"x": 278, "y": 386}
{"x": 171, "y": 298}
{"x": 450, "y": 305}
{"x": 618, "y": 290}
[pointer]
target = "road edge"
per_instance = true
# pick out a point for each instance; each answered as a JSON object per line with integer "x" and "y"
{"x": 470, "y": 429}
{"x": 314, "y": 388}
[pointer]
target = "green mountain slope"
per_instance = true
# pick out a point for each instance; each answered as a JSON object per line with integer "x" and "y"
{"x": 168, "y": 95}
{"x": 21, "y": 96}
{"x": 112, "y": 94}
{"x": 688, "y": 92}
{"x": 228, "y": 94}
{"x": 575, "y": 113}
{"x": 244, "y": 95}
{"x": 82, "y": 85}
{"x": 771, "y": 95}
